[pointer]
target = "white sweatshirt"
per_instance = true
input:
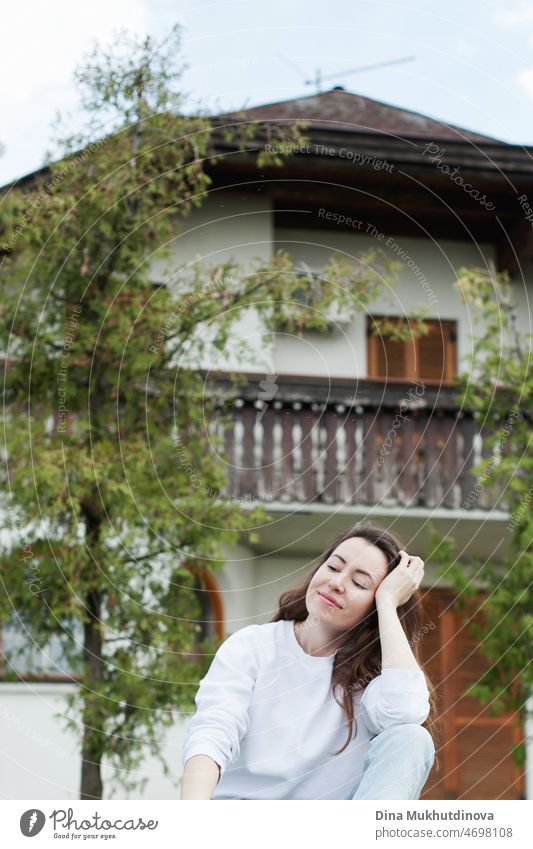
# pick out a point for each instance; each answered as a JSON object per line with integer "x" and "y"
{"x": 267, "y": 715}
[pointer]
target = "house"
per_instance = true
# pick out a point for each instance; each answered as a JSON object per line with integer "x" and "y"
{"x": 314, "y": 436}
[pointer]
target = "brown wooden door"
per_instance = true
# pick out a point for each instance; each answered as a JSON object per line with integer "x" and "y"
{"x": 474, "y": 754}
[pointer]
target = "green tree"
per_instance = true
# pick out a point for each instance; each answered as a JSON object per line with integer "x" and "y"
{"x": 111, "y": 528}
{"x": 498, "y": 387}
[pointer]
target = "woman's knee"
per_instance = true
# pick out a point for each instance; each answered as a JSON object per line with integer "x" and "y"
{"x": 414, "y": 739}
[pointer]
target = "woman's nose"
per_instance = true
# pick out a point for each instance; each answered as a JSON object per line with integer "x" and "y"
{"x": 335, "y": 581}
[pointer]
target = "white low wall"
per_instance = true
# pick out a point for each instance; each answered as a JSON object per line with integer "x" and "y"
{"x": 41, "y": 760}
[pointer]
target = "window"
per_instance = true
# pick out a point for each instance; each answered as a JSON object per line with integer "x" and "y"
{"x": 429, "y": 358}
{"x": 21, "y": 659}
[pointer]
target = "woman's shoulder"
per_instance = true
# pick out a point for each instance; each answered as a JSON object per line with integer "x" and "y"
{"x": 257, "y": 635}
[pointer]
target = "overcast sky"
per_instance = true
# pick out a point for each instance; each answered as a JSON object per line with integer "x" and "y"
{"x": 473, "y": 60}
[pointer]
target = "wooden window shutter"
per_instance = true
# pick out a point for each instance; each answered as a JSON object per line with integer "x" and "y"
{"x": 436, "y": 352}
{"x": 430, "y": 357}
{"x": 391, "y": 357}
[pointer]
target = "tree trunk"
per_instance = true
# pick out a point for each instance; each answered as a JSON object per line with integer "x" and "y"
{"x": 93, "y": 742}
{"x": 91, "y": 754}
{"x": 91, "y": 777}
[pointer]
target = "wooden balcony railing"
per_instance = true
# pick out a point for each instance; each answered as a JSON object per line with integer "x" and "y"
{"x": 347, "y": 443}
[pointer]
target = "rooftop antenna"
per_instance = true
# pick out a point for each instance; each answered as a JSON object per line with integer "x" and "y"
{"x": 319, "y": 77}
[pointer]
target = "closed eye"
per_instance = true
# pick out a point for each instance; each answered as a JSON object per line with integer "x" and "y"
{"x": 355, "y": 582}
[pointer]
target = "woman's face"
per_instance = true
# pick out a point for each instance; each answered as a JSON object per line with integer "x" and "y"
{"x": 350, "y": 578}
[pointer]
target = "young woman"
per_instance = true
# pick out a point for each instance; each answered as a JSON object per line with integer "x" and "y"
{"x": 328, "y": 700}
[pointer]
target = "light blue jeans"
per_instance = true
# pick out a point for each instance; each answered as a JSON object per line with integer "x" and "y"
{"x": 397, "y": 765}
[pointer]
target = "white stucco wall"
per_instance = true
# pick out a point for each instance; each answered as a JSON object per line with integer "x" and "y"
{"x": 227, "y": 226}
{"x": 345, "y": 350}
{"x": 343, "y": 353}
{"x": 243, "y": 228}
{"x": 41, "y": 759}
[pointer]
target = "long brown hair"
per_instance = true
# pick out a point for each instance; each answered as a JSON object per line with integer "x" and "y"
{"x": 358, "y": 660}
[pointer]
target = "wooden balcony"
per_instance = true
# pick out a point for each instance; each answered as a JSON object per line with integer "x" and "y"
{"x": 352, "y": 442}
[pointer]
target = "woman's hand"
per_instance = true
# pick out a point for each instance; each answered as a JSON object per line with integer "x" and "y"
{"x": 400, "y": 584}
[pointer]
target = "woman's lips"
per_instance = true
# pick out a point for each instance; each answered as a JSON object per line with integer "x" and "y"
{"x": 326, "y": 600}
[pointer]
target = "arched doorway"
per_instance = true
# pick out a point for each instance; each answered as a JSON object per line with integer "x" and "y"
{"x": 211, "y": 619}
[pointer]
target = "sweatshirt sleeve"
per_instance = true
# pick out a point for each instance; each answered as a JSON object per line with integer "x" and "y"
{"x": 223, "y": 700}
{"x": 394, "y": 697}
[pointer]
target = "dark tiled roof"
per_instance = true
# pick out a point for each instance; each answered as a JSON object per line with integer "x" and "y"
{"x": 341, "y": 110}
